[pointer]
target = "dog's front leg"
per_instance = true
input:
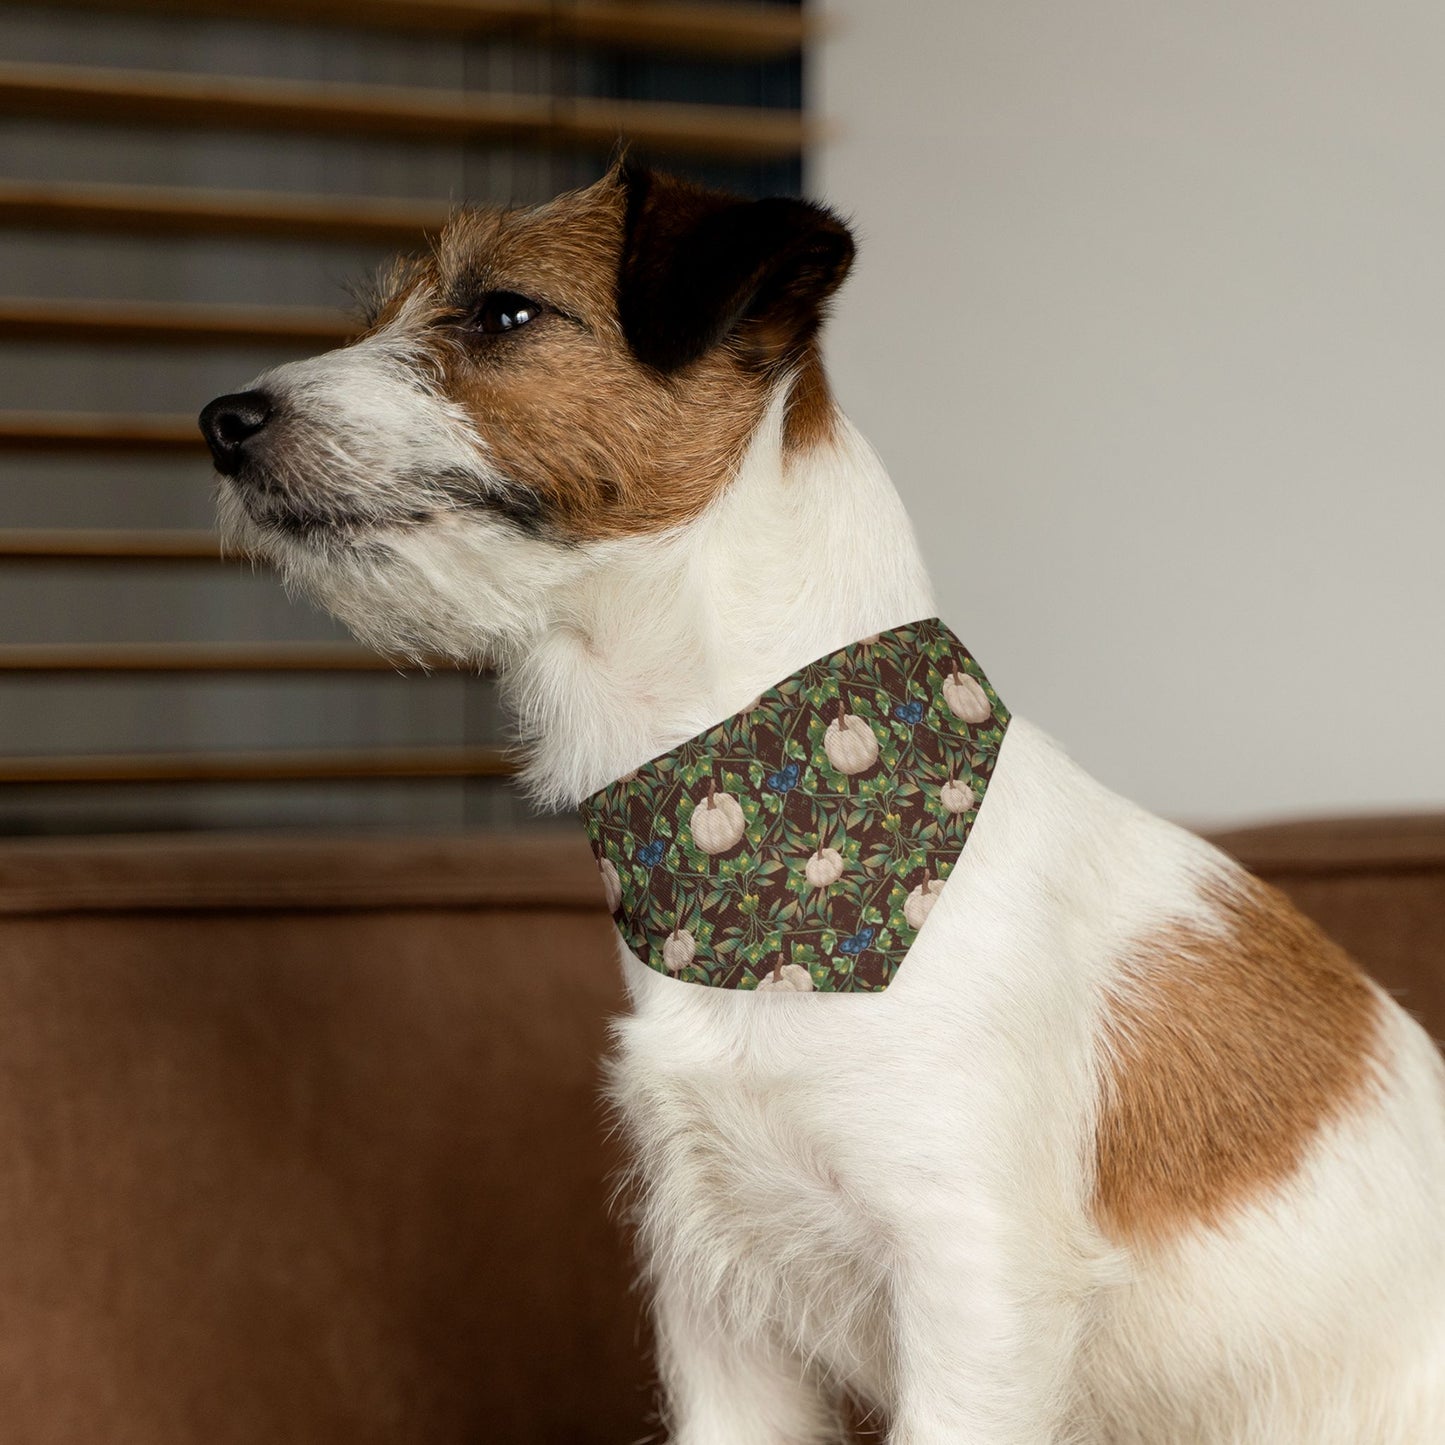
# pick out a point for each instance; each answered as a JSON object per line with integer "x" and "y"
{"x": 722, "y": 1386}
{"x": 985, "y": 1335}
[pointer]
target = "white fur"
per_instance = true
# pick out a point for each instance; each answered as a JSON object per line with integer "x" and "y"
{"x": 890, "y": 1194}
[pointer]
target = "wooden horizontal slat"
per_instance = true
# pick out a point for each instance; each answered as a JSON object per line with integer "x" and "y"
{"x": 171, "y": 323}
{"x": 1356, "y": 844}
{"x": 222, "y": 102}
{"x": 173, "y": 211}
{"x": 288, "y": 870}
{"x": 190, "y": 657}
{"x": 77, "y": 544}
{"x": 329, "y": 765}
{"x": 83, "y": 431}
{"x": 706, "y": 28}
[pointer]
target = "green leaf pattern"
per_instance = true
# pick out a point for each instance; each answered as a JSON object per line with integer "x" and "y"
{"x": 800, "y": 845}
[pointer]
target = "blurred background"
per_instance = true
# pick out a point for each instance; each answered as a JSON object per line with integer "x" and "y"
{"x": 1146, "y": 323}
{"x": 302, "y": 1011}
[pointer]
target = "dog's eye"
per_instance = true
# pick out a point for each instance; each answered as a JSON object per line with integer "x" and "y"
{"x": 504, "y": 311}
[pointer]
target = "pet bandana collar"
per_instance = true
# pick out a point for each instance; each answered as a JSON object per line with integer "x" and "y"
{"x": 800, "y": 844}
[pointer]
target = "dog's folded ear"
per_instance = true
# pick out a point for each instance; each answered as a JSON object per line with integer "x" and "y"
{"x": 701, "y": 266}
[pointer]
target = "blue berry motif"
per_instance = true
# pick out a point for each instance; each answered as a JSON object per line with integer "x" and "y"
{"x": 785, "y": 779}
{"x": 651, "y": 855}
{"x": 909, "y": 712}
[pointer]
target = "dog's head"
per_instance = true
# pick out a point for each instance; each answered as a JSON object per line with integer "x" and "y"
{"x": 544, "y": 383}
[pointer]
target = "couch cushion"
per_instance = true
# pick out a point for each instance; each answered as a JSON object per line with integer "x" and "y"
{"x": 302, "y": 1143}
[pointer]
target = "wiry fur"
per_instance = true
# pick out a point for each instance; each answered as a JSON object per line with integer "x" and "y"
{"x": 896, "y": 1195}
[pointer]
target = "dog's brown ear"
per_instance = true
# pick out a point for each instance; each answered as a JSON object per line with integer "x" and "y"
{"x": 699, "y": 266}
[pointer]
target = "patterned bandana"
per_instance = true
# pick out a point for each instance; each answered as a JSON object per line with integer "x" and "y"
{"x": 801, "y": 844}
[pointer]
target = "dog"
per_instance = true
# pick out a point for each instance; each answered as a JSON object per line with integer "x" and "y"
{"x": 1127, "y": 1153}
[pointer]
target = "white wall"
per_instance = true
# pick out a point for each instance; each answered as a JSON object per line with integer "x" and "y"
{"x": 1149, "y": 324}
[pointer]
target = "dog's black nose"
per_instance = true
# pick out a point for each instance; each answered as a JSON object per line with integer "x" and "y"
{"x": 229, "y": 422}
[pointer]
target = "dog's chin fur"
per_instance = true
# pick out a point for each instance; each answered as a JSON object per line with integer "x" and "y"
{"x": 1127, "y": 1154}
{"x": 440, "y": 587}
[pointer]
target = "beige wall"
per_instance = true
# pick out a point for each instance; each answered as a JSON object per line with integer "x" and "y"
{"x": 1149, "y": 323}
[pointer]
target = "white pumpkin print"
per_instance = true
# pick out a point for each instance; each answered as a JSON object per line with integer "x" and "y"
{"x": 611, "y": 884}
{"x": 956, "y": 797}
{"x": 850, "y": 743}
{"x": 679, "y": 950}
{"x": 824, "y": 867}
{"x": 787, "y": 978}
{"x": 717, "y": 822}
{"x": 919, "y": 904}
{"x": 966, "y": 699}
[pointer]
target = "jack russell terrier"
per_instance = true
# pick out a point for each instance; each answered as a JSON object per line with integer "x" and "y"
{"x": 1055, "y": 1127}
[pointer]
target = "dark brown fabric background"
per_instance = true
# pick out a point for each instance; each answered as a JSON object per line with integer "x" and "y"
{"x": 300, "y": 1141}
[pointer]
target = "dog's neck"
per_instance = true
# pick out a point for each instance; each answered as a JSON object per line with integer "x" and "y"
{"x": 803, "y": 554}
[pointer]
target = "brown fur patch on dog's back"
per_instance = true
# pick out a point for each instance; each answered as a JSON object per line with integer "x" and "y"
{"x": 1226, "y": 1053}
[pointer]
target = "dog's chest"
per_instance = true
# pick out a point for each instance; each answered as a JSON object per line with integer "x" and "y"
{"x": 752, "y": 1180}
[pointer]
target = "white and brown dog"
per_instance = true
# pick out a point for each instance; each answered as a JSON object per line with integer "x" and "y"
{"x": 1128, "y": 1152}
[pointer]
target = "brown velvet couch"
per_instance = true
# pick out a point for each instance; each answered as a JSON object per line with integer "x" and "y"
{"x": 301, "y": 1140}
